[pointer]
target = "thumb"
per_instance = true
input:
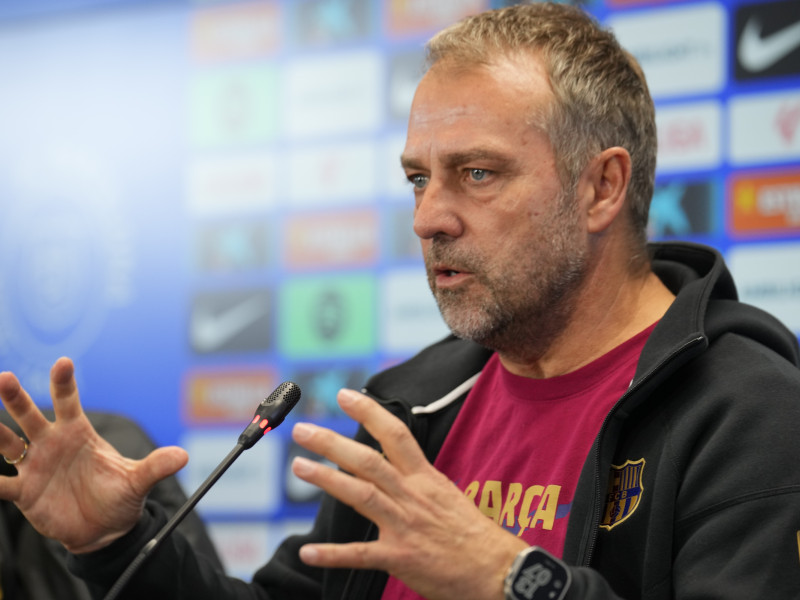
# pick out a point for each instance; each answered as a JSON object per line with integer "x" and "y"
{"x": 159, "y": 464}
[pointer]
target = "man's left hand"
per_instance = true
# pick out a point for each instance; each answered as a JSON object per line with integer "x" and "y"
{"x": 431, "y": 536}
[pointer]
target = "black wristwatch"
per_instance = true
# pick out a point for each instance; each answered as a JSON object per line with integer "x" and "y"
{"x": 537, "y": 575}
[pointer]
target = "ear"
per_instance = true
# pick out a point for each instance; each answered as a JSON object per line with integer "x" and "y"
{"x": 604, "y": 185}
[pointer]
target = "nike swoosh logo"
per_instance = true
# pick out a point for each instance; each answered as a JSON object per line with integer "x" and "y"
{"x": 210, "y": 331}
{"x": 757, "y": 53}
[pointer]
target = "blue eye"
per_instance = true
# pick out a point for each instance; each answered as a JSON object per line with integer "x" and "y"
{"x": 419, "y": 181}
{"x": 478, "y": 174}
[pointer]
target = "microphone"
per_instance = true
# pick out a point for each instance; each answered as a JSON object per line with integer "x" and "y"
{"x": 269, "y": 414}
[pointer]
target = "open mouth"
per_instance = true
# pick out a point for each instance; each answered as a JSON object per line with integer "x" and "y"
{"x": 446, "y": 275}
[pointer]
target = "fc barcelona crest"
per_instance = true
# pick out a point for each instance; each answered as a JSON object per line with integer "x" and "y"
{"x": 624, "y": 493}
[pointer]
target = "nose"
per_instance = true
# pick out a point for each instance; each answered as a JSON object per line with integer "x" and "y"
{"x": 436, "y": 212}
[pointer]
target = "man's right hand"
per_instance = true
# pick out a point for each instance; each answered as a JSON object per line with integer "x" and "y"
{"x": 72, "y": 485}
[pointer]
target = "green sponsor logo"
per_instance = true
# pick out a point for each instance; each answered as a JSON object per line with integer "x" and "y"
{"x": 327, "y": 316}
{"x": 237, "y": 106}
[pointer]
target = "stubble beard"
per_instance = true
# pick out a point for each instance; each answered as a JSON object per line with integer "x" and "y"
{"x": 516, "y": 309}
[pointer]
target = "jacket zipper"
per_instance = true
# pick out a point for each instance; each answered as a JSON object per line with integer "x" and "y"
{"x": 598, "y": 502}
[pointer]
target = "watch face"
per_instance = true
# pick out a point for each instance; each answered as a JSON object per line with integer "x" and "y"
{"x": 538, "y": 577}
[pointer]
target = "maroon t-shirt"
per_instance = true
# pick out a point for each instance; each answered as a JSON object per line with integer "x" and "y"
{"x": 518, "y": 444}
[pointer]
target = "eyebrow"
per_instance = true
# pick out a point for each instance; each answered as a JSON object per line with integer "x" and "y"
{"x": 454, "y": 159}
{"x": 410, "y": 163}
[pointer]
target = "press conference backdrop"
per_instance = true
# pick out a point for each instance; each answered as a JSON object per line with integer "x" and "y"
{"x": 199, "y": 200}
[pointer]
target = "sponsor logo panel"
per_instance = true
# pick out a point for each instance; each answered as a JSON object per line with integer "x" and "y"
{"x": 226, "y": 395}
{"x": 767, "y": 40}
{"x": 631, "y": 3}
{"x": 231, "y": 321}
{"x": 234, "y": 106}
{"x": 582, "y": 3}
{"x": 765, "y": 127}
{"x": 767, "y": 276}
{"x": 327, "y": 316}
{"x": 242, "y": 547}
{"x": 410, "y": 17}
{"x": 236, "y": 32}
{"x": 324, "y": 22}
{"x": 245, "y": 547}
{"x": 320, "y": 385}
{"x": 765, "y": 202}
{"x": 337, "y": 94}
{"x": 231, "y": 247}
{"x": 333, "y": 174}
{"x": 689, "y": 137}
{"x": 335, "y": 239}
{"x": 682, "y": 50}
{"x": 683, "y": 207}
{"x": 410, "y": 318}
{"x": 251, "y": 484}
{"x": 232, "y": 185}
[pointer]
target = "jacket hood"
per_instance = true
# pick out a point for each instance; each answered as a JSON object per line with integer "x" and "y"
{"x": 706, "y": 305}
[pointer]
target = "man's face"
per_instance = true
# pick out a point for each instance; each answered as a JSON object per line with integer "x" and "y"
{"x": 504, "y": 248}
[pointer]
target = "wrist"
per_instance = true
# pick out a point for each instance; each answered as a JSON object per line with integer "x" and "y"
{"x": 117, "y": 537}
{"x": 536, "y": 574}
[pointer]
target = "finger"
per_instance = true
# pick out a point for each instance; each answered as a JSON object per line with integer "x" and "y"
{"x": 9, "y": 440}
{"x": 21, "y": 407}
{"x": 362, "y": 495}
{"x": 12, "y": 447}
{"x": 396, "y": 440}
{"x": 354, "y": 555}
{"x": 354, "y": 457}
{"x": 64, "y": 390}
{"x": 10, "y": 488}
{"x": 157, "y": 465}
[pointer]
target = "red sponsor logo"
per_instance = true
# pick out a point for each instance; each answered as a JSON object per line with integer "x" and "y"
{"x": 787, "y": 120}
{"x": 229, "y": 396}
{"x": 236, "y": 32}
{"x": 408, "y": 17}
{"x": 768, "y": 203}
{"x": 338, "y": 239}
{"x": 678, "y": 136}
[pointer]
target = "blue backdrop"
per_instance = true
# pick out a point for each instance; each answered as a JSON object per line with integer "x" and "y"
{"x": 202, "y": 199}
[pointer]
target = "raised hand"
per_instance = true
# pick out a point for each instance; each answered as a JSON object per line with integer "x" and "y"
{"x": 431, "y": 536}
{"x": 72, "y": 485}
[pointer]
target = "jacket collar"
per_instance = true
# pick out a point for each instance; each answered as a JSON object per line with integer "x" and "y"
{"x": 696, "y": 274}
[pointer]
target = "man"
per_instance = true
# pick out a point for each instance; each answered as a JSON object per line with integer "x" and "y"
{"x": 609, "y": 422}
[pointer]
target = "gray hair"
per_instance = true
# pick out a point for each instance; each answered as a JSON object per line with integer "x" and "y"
{"x": 601, "y": 96}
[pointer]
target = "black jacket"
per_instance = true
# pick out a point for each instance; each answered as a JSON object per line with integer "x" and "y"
{"x": 712, "y": 414}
